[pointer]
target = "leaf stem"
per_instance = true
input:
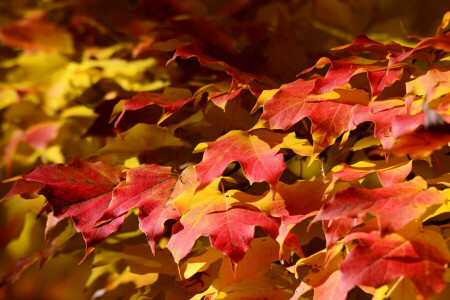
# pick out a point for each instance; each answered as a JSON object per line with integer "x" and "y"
{"x": 418, "y": 172}
{"x": 438, "y": 163}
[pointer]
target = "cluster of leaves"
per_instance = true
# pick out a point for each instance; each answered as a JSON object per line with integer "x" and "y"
{"x": 190, "y": 173}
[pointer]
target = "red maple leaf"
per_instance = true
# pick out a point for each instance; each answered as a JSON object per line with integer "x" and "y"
{"x": 258, "y": 160}
{"x": 421, "y": 255}
{"x": 149, "y": 188}
{"x": 169, "y": 102}
{"x": 229, "y": 223}
{"x": 394, "y": 206}
{"x": 329, "y": 119}
{"x": 79, "y": 190}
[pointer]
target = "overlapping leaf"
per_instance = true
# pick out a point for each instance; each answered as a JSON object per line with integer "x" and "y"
{"x": 79, "y": 190}
{"x": 232, "y": 237}
{"x": 421, "y": 255}
{"x": 229, "y": 223}
{"x": 394, "y": 206}
{"x": 149, "y": 188}
{"x": 172, "y": 100}
{"x": 329, "y": 119}
{"x": 258, "y": 160}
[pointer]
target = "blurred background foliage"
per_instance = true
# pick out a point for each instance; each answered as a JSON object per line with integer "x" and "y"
{"x": 64, "y": 65}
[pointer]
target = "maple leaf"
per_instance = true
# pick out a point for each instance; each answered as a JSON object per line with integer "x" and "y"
{"x": 228, "y": 222}
{"x": 149, "y": 188}
{"x": 79, "y": 190}
{"x": 258, "y": 160}
{"x": 417, "y": 253}
{"x": 171, "y": 100}
{"x": 329, "y": 119}
{"x": 382, "y": 97}
{"x": 394, "y": 206}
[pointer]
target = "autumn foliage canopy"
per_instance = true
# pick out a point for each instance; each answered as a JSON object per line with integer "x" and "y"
{"x": 181, "y": 150}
